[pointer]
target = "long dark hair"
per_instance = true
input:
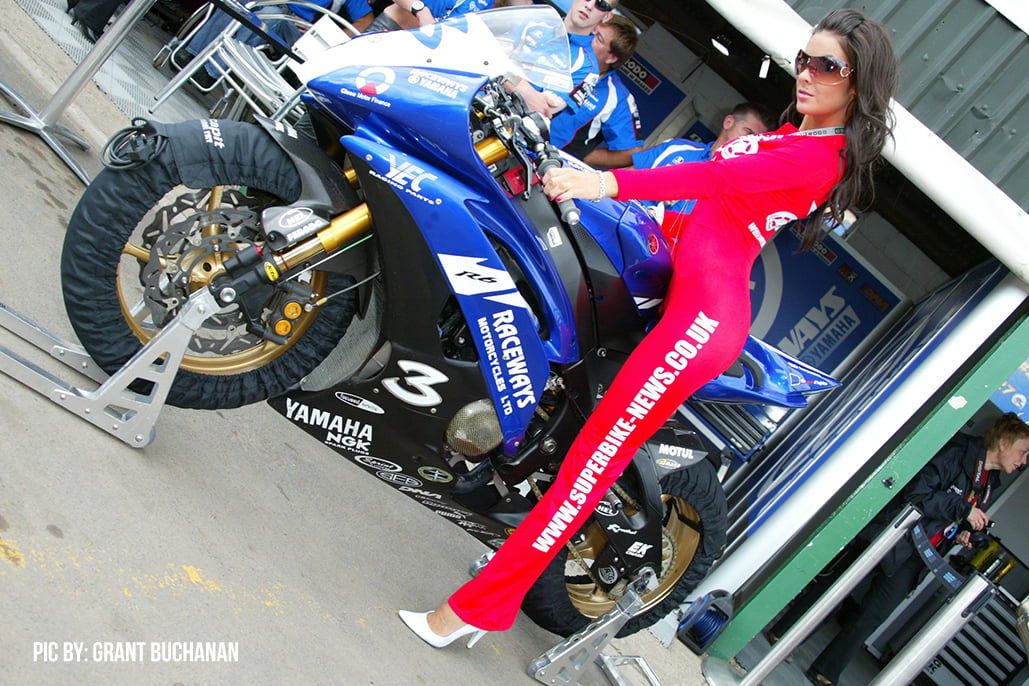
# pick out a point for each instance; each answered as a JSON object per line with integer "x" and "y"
{"x": 870, "y": 121}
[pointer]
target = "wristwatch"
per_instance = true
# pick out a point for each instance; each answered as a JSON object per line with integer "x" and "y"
{"x": 417, "y": 6}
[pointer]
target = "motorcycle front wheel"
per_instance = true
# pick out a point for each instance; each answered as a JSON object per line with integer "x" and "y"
{"x": 153, "y": 234}
{"x": 565, "y": 598}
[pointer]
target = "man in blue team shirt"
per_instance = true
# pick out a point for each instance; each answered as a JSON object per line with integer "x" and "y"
{"x": 410, "y": 14}
{"x": 580, "y": 21}
{"x": 608, "y": 112}
{"x": 746, "y": 118}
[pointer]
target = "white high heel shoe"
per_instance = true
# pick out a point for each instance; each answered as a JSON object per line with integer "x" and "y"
{"x": 418, "y": 623}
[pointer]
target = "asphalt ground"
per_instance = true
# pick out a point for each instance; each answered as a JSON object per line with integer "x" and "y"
{"x": 231, "y": 529}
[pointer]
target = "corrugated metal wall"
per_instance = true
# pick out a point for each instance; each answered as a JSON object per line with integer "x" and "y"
{"x": 965, "y": 74}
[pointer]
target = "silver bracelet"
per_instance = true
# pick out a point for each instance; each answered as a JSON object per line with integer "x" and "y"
{"x": 603, "y": 187}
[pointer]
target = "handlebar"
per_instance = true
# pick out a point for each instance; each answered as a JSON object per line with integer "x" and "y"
{"x": 517, "y": 126}
{"x": 551, "y": 159}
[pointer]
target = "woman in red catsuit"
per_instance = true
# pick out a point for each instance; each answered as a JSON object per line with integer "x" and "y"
{"x": 750, "y": 188}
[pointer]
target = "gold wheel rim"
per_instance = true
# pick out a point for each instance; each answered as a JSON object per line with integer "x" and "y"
{"x": 257, "y": 355}
{"x": 679, "y": 543}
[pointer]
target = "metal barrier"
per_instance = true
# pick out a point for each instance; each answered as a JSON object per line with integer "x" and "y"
{"x": 720, "y": 673}
{"x": 44, "y": 123}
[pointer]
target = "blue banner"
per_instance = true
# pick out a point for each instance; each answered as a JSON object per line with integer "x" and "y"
{"x": 819, "y": 305}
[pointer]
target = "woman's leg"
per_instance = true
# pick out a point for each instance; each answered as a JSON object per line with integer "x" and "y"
{"x": 704, "y": 326}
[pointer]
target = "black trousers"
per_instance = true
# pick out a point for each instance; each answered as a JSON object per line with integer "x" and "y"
{"x": 96, "y": 13}
{"x": 884, "y": 594}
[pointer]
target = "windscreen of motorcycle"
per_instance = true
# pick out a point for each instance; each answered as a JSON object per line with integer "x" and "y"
{"x": 523, "y": 42}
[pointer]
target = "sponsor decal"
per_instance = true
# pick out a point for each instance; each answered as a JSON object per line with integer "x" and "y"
{"x": 408, "y": 177}
{"x": 359, "y": 402}
{"x": 399, "y": 479}
{"x": 283, "y": 127}
{"x": 436, "y": 82}
{"x": 605, "y": 509}
{"x": 653, "y": 244}
{"x": 773, "y": 223}
{"x": 506, "y": 361}
{"x": 615, "y": 528}
{"x": 377, "y": 463}
{"x": 638, "y": 549}
{"x": 295, "y": 217}
{"x": 468, "y": 276}
{"x": 341, "y": 432}
{"x": 607, "y": 575}
{"x": 420, "y": 495}
{"x": 636, "y": 72}
{"x": 435, "y": 474}
{"x": 675, "y": 451}
{"x": 448, "y": 514}
{"x": 821, "y": 329}
{"x": 737, "y": 147}
{"x": 665, "y": 463}
{"x": 375, "y": 80}
{"x": 554, "y": 237}
{"x": 416, "y": 387}
{"x": 212, "y": 132}
{"x": 584, "y": 90}
{"x": 472, "y": 526}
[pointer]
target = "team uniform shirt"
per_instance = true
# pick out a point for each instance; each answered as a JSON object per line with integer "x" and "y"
{"x": 608, "y": 113}
{"x": 746, "y": 192}
{"x": 585, "y": 70}
{"x": 672, "y": 151}
{"x": 442, "y": 9}
{"x": 351, "y": 10}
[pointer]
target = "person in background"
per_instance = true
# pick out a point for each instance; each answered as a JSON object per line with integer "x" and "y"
{"x": 818, "y": 164}
{"x": 92, "y": 16}
{"x": 608, "y": 113}
{"x": 745, "y": 119}
{"x": 952, "y": 491}
{"x": 410, "y": 14}
{"x": 357, "y": 12}
{"x": 582, "y": 18}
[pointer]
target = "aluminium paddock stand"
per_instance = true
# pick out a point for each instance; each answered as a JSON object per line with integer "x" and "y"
{"x": 126, "y": 413}
{"x": 563, "y": 663}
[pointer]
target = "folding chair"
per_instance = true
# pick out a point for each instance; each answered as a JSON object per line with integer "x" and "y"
{"x": 247, "y": 74}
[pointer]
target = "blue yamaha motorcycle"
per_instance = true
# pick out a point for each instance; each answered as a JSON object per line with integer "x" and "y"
{"x": 395, "y": 283}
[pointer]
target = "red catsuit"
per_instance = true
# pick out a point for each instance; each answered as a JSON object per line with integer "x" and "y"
{"x": 750, "y": 188}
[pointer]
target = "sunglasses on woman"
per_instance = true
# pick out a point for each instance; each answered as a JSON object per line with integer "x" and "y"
{"x": 825, "y": 69}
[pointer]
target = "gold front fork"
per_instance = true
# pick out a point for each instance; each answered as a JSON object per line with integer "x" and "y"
{"x": 352, "y": 225}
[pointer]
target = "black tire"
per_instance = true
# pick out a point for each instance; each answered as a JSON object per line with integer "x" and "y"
{"x": 695, "y": 492}
{"x": 96, "y": 268}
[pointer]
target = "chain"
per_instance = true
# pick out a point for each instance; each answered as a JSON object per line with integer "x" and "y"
{"x": 624, "y": 495}
{"x": 571, "y": 548}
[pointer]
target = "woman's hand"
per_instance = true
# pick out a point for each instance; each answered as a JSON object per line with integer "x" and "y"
{"x": 565, "y": 183}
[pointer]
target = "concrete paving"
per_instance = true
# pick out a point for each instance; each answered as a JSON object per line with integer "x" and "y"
{"x": 230, "y": 528}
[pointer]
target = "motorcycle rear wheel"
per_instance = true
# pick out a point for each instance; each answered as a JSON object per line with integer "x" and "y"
{"x": 108, "y": 243}
{"x": 564, "y": 599}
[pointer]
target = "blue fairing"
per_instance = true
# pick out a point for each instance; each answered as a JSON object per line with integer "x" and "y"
{"x": 633, "y": 242}
{"x": 769, "y": 376}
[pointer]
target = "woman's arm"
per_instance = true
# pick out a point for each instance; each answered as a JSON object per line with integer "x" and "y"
{"x": 809, "y": 163}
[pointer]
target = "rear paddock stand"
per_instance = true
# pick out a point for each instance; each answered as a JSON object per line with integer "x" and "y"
{"x": 563, "y": 663}
{"x": 127, "y": 414}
